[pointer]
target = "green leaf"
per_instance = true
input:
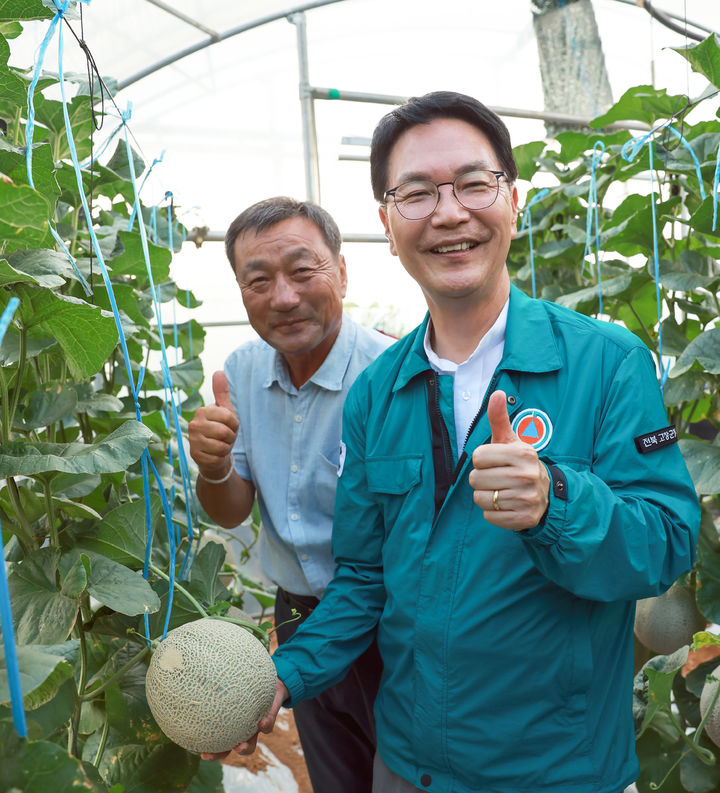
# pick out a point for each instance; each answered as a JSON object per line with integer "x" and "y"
{"x": 76, "y": 579}
{"x": 526, "y": 158}
{"x": 10, "y": 348}
{"x": 121, "y": 589}
{"x": 705, "y": 639}
{"x": 23, "y": 218}
{"x": 209, "y": 778}
{"x": 707, "y": 567}
{"x": 122, "y": 534}
{"x": 132, "y": 259}
{"x": 704, "y": 58}
{"x": 86, "y": 335}
{"x": 11, "y": 10}
{"x": 703, "y": 461}
{"x": 119, "y": 161}
{"x": 42, "y": 614}
{"x": 705, "y": 349}
{"x": 47, "y": 767}
{"x": 55, "y": 402}
{"x": 114, "y": 453}
{"x": 685, "y": 388}
{"x": 49, "y": 112}
{"x": 610, "y": 288}
{"x": 41, "y": 675}
{"x": 45, "y": 268}
{"x": 660, "y": 672}
{"x": 696, "y": 776}
{"x": 205, "y": 571}
{"x": 142, "y": 769}
{"x": 641, "y": 103}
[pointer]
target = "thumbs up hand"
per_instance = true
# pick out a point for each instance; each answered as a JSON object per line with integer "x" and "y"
{"x": 510, "y": 483}
{"x": 213, "y": 430}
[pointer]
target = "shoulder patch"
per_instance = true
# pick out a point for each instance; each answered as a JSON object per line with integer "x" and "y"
{"x": 652, "y": 441}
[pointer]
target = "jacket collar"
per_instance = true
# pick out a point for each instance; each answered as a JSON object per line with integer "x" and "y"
{"x": 530, "y": 344}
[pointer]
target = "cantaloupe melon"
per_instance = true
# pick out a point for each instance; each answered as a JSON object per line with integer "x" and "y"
{"x": 208, "y": 684}
{"x": 666, "y": 623}
{"x": 712, "y": 725}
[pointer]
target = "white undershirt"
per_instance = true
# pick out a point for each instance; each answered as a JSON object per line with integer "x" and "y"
{"x": 471, "y": 377}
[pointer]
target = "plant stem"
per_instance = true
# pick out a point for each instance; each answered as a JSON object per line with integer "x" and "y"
{"x": 88, "y": 695}
{"x": 27, "y": 540}
{"x": 658, "y": 785}
{"x": 82, "y": 676}
{"x": 180, "y": 589}
{"x": 103, "y": 742}
{"x": 50, "y": 510}
{"x": 19, "y": 375}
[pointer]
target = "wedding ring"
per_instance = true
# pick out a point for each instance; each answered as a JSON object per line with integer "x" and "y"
{"x": 495, "y": 504}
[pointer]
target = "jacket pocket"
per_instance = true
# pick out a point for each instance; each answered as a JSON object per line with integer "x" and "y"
{"x": 393, "y": 475}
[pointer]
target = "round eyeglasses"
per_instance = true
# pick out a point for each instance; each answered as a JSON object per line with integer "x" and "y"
{"x": 419, "y": 198}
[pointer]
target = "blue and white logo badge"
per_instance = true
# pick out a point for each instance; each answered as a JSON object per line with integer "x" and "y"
{"x": 533, "y": 427}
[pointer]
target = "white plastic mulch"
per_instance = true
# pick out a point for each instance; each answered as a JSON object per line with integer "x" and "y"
{"x": 276, "y": 778}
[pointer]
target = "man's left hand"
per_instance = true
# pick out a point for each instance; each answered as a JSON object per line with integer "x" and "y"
{"x": 510, "y": 483}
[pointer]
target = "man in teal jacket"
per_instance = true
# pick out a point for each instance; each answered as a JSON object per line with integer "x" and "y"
{"x": 509, "y": 488}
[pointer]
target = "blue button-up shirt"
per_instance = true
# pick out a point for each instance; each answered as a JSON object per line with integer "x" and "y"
{"x": 288, "y": 446}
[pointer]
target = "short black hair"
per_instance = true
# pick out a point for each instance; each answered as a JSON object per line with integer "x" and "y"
{"x": 423, "y": 110}
{"x": 272, "y": 211}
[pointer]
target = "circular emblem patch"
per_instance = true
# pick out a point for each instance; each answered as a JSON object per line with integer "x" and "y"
{"x": 533, "y": 427}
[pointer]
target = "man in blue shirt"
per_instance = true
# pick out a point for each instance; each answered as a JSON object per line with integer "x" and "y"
{"x": 274, "y": 433}
{"x": 510, "y": 489}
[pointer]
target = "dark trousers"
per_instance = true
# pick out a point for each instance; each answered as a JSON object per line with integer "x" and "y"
{"x": 336, "y": 728}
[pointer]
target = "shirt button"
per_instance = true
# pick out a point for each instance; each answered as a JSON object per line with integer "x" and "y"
{"x": 298, "y": 418}
{"x": 304, "y": 557}
{"x": 425, "y": 780}
{"x": 294, "y": 516}
{"x": 293, "y": 468}
{"x": 466, "y": 395}
{"x": 511, "y": 400}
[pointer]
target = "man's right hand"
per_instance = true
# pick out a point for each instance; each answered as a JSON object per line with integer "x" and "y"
{"x": 265, "y": 725}
{"x": 213, "y": 430}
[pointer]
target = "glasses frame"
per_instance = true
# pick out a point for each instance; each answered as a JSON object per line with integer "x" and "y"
{"x": 438, "y": 185}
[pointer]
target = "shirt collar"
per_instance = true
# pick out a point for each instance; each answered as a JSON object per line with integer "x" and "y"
{"x": 332, "y": 370}
{"x": 495, "y": 336}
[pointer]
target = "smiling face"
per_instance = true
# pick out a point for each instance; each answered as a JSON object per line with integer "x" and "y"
{"x": 456, "y": 255}
{"x": 292, "y": 287}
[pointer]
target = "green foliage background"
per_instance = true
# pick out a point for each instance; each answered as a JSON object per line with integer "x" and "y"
{"x": 71, "y": 506}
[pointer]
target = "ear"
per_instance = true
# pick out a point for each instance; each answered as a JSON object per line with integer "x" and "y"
{"x": 514, "y": 229}
{"x": 342, "y": 269}
{"x": 382, "y": 211}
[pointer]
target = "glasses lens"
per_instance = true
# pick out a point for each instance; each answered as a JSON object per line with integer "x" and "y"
{"x": 416, "y": 200}
{"x": 477, "y": 189}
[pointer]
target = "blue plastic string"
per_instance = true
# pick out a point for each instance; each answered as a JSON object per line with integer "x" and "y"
{"x": 527, "y": 221}
{"x": 184, "y": 469}
{"x": 30, "y": 131}
{"x": 716, "y": 180}
{"x": 101, "y": 149}
{"x": 142, "y": 184}
{"x": 6, "y": 621}
{"x": 594, "y": 219}
{"x": 629, "y": 152}
{"x": 698, "y": 172}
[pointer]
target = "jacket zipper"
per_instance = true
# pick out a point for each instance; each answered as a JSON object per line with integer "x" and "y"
{"x": 473, "y": 424}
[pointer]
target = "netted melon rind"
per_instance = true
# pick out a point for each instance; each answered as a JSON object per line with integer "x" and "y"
{"x": 712, "y": 725}
{"x": 208, "y": 684}
{"x": 666, "y": 623}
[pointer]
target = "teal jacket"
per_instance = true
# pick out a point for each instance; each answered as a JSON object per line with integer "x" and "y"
{"x": 508, "y": 655}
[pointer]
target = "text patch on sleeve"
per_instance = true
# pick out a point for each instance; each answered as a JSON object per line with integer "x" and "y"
{"x": 656, "y": 439}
